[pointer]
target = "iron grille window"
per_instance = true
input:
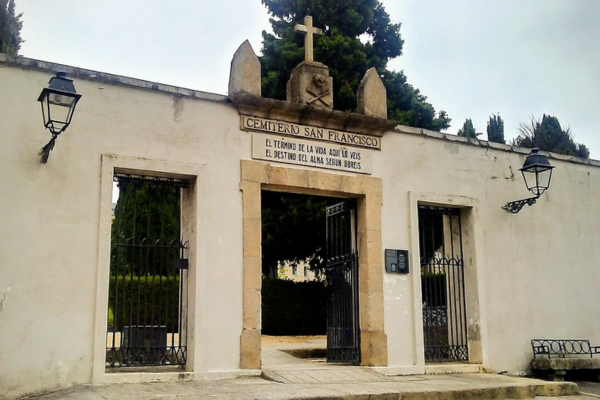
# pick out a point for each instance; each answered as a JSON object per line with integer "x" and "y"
{"x": 442, "y": 284}
{"x": 147, "y": 305}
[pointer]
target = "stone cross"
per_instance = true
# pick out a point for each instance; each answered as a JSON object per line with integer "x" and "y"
{"x": 308, "y": 30}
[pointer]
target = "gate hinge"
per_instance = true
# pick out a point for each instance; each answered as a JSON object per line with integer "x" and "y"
{"x": 181, "y": 263}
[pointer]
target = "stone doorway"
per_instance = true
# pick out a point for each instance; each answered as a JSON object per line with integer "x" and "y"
{"x": 310, "y": 280}
{"x": 257, "y": 176}
{"x": 294, "y": 291}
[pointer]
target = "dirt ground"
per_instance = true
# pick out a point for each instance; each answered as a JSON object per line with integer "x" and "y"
{"x": 274, "y": 341}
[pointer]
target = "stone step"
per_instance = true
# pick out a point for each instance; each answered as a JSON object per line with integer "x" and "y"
{"x": 372, "y": 387}
{"x": 356, "y": 383}
{"x": 547, "y": 390}
{"x": 321, "y": 375}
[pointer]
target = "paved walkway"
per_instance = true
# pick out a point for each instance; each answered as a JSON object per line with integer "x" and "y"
{"x": 337, "y": 374}
{"x": 285, "y": 377}
{"x": 420, "y": 387}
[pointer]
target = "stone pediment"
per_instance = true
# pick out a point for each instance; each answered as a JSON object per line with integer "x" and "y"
{"x": 309, "y": 93}
{"x": 309, "y": 115}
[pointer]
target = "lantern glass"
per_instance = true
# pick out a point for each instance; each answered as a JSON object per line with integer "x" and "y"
{"x": 537, "y": 179}
{"x": 58, "y": 103}
{"x": 537, "y": 172}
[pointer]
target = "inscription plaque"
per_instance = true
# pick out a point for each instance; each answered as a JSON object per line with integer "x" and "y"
{"x": 313, "y": 154}
{"x": 309, "y": 132}
{"x": 396, "y": 261}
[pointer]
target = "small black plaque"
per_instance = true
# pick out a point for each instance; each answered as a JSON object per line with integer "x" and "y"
{"x": 181, "y": 263}
{"x": 396, "y": 261}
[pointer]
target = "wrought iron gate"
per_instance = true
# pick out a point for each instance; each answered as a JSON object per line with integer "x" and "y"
{"x": 147, "y": 305}
{"x": 343, "y": 329}
{"x": 442, "y": 284}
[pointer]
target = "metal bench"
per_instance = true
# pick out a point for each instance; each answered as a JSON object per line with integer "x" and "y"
{"x": 552, "y": 358}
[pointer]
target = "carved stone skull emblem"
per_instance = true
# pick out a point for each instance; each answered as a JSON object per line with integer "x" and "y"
{"x": 319, "y": 80}
{"x": 319, "y": 88}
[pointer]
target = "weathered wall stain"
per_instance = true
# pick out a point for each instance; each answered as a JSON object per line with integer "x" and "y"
{"x": 178, "y": 108}
{"x": 453, "y": 148}
{"x": 4, "y": 299}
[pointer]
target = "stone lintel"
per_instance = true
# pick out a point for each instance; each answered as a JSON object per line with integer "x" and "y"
{"x": 310, "y": 115}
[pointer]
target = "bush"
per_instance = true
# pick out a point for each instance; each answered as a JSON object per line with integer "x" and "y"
{"x": 111, "y": 317}
{"x": 293, "y": 308}
{"x": 159, "y": 298}
{"x": 433, "y": 290}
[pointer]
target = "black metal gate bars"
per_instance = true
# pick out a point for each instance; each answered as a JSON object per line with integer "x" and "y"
{"x": 442, "y": 284}
{"x": 147, "y": 303}
{"x": 343, "y": 329}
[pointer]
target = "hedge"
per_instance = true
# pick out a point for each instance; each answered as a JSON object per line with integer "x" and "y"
{"x": 433, "y": 288}
{"x": 293, "y": 308}
{"x": 158, "y": 294}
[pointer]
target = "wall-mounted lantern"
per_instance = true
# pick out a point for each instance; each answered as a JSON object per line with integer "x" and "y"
{"x": 58, "y": 102}
{"x": 537, "y": 173}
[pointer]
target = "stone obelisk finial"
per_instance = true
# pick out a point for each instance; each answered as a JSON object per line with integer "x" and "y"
{"x": 244, "y": 77}
{"x": 308, "y": 30}
{"x": 371, "y": 95}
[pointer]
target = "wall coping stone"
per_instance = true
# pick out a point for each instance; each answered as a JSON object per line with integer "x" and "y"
{"x": 492, "y": 145}
{"x": 81, "y": 73}
{"x": 290, "y": 112}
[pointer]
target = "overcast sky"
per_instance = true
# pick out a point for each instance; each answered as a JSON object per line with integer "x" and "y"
{"x": 471, "y": 58}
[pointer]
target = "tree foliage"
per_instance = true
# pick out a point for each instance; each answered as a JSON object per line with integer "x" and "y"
{"x": 160, "y": 305}
{"x": 547, "y": 134}
{"x": 468, "y": 130}
{"x": 293, "y": 308}
{"x": 345, "y": 23}
{"x": 495, "y": 129}
{"x": 146, "y": 230}
{"x": 293, "y": 229}
{"x": 10, "y": 28}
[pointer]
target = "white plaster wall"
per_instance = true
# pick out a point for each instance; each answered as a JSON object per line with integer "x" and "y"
{"x": 536, "y": 272}
{"x": 50, "y": 222}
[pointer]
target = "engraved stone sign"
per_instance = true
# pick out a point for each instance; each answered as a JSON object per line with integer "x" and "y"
{"x": 309, "y": 132}
{"x": 313, "y": 154}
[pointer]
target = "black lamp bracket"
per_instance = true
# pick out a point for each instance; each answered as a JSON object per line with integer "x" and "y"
{"x": 515, "y": 206}
{"x": 45, "y": 152}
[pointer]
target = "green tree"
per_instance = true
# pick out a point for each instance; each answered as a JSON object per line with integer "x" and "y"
{"x": 345, "y": 23}
{"x": 468, "y": 130}
{"x": 547, "y": 134}
{"x": 10, "y": 28}
{"x": 495, "y": 129}
{"x": 146, "y": 228}
{"x": 293, "y": 229}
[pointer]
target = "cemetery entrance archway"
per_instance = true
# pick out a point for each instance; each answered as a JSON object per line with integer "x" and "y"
{"x": 257, "y": 176}
{"x": 310, "y": 273}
